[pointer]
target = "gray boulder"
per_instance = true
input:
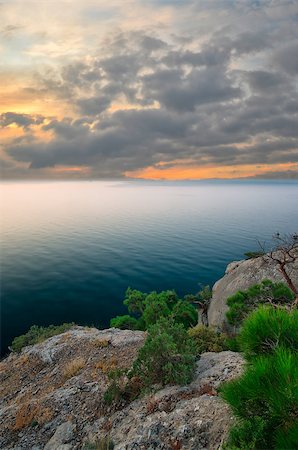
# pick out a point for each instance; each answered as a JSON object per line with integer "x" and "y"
{"x": 240, "y": 275}
{"x": 190, "y": 417}
{"x": 63, "y": 434}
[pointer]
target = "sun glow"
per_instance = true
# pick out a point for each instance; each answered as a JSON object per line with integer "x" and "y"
{"x": 158, "y": 172}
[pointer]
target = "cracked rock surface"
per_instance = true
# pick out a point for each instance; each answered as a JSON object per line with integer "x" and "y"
{"x": 51, "y": 397}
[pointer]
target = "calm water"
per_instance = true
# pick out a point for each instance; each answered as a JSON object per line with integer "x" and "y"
{"x": 69, "y": 250}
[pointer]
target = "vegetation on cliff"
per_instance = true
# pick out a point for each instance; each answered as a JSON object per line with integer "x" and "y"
{"x": 267, "y": 292}
{"x": 265, "y": 398}
{"x": 147, "y": 309}
{"x": 37, "y": 334}
{"x": 167, "y": 357}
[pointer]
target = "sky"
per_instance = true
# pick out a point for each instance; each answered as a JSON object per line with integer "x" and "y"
{"x": 154, "y": 89}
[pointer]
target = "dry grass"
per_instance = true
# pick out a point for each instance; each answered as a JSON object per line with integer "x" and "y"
{"x": 103, "y": 443}
{"x": 101, "y": 343}
{"x": 152, "y": 405}
{"x": 44, "y": 415}
{"x": 65, "y": 337}
{"x": 30, "y": 412}
{"x": 73, "y": 367}
{"x": 23, "y": 359}
{"x": 25, "y": 415}
{"x": 106, "y": 365}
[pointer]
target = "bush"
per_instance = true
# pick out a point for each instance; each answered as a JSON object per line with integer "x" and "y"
{"x": 155, "y": 308}
{"x": 126, "y": 322}
{"x": 265, "y": 402}
{"x": 268, "y": 328}
{"x": 37, "y": 334}
{"x": 207, "y": 339}
{"x": 104, "y": 443}
{"x": 121, "y": 389}
{"x": 185, "y": 313}
{"x": 243, "y": 302}
{"x": 253, "y": 255}
{"x": 232, "y": 344}
{"x": 167, "y": 357}
{"x": 114, "y": 390}
{"x": 134, "y": 301}
{"x": 247, "y": 434}
{"x": 147, "y": 309}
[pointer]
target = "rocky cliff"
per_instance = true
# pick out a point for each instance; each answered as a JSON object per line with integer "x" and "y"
{"x": 240, "y": 275}
{"x": 51, "y": 397}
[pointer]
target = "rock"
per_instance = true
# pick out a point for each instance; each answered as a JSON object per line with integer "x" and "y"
{"x": 49, "y": 350}
{"x": 42, "y": 408}
{"x": 215, "y": 368}
{"x": 240, "y": 275}
{"x": 191, "y": 417}
{"x": 38, "y": 391}
{"x": 63, "y": 434}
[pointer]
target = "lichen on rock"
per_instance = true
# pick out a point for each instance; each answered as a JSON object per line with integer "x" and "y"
{"x": 41, "y": 409}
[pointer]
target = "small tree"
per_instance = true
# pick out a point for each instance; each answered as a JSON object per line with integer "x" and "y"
{"x": 185, "y": 313}
{"x": 155, "y": 308}
{"x": 147, "y": 309}
{"x": 134, "y": 300}
{"x": 202, "y": 301}
{"x": 126, "y": 322}
{"x": 167, "y": 357}
{"x": 267, "y": 292}
{"x": 284, "y": 252}
{"x": 264, "y": 399}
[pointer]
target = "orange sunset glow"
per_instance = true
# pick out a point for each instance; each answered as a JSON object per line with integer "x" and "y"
{"x": 194, "y": 173}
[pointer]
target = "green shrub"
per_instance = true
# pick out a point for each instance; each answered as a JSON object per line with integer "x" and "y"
{"x": 103, "y": 443}
{"x": 167, "y": 357}
{"x": 252, "y": 255}
{"x": 243, "y": 302}
{"x": 268, "y": 328}
{"x": 38, "y": 334}
{"x": 288, "y": 438}
{"x": 134, "y": 301}
{"x": 265, "y": 402}
{"x": 170, "y": 297}
{"x": 185, "y": 313}
{"x": 122, "y": 389}
{"x": 126, "y": 322}
{"x": 155, "y": 308}
{"x": 115, "y": 389}
{"x": 232, "y": 344}
{"x": 147, "y": 309}
{"x": 247, "y": 434}
{"x": 207, "y": 339}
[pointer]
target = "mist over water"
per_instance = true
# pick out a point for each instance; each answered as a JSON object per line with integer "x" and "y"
{"x": 69, "y": 250}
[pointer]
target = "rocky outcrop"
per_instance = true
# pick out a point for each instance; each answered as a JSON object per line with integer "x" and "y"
{"x": 192, "y": 417}
{"x": 51, "y": 397}
{"x": 60, "y": 381}
{"x": 240, "y": 275}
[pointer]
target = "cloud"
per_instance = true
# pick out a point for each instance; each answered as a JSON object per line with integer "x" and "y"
{"x": 279, "y": 175}
{"x": 287, "y": 58}
{"x": 22, "y": 120}
{"x": 211, "y": 87}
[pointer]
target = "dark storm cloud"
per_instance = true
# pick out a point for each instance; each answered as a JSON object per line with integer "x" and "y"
{"x": 262, "y": 81}
{"x": 227, "y": 99}
{"x": 287, "y": 58}
{"x": 94, "y": 105}
{"x": 68, "y": 129}
{"x": 22, "y": 120}
{"x": 184, "y": 93}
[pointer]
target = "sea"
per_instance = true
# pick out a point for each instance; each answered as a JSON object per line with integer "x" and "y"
{"x": 70, "y": 249}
